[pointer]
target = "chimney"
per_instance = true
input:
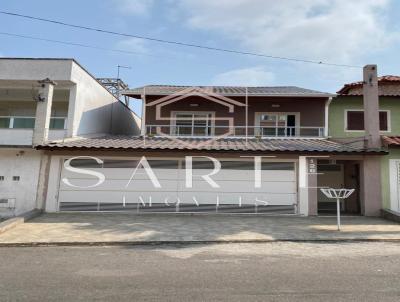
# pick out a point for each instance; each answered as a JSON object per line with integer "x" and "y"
{"x": 371, "y": 107}
{"x": 43, "y": 111}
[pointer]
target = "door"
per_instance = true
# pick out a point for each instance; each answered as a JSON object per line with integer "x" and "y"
{"x": 235, "y": 192}
{"x": 329, "y": 176}
{"x": 278, "y": 124}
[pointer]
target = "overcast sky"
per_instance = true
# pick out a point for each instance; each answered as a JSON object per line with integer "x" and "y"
{"x": 353, "y": 32}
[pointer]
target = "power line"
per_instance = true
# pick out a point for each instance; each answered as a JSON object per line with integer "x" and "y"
{"x": 79, "y": 44}
{"x": 171, "y": 42}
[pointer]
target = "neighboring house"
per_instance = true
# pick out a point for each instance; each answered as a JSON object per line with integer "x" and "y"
{"x": 286, "y": 126}
{"x": 347, "y": 121}
{"x": 42, "y": 100}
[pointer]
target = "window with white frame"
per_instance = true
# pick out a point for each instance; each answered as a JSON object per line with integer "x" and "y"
{"x": 192, "y": 124}
{"x": 355, "y": 120}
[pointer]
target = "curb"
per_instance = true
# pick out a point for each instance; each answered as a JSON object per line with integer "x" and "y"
{"x": 192, "y": 242}
{"x": 13, "y": 222}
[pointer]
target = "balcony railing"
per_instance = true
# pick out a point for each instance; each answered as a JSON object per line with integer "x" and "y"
{"x": 235, "y": 131}
{"x": 18, "y": 130}
{"x": 28, "y": 122}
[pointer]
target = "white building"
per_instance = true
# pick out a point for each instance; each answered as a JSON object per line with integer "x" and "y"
{"x": 42, "y": 100}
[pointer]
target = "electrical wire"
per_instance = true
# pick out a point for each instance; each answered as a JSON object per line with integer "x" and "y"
{"x": 78, "y": 44}
{"x": 178, "y": 43}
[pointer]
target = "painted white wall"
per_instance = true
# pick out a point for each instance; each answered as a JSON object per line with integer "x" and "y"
{"x": 91, "y": 110}
{"x": 35, "y": 69}
{"x": 24, "y": 163}
{"x": 51, "y": 204}
{"x": 303, "y": 186}
{"x": 16, "y": 137}
{"x": 124, "y": 120}
{"x": 93, "y": 104}
{"x": 394, "y": 172}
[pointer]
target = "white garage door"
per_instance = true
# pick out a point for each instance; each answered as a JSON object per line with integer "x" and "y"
{"x": 236, "y": 191}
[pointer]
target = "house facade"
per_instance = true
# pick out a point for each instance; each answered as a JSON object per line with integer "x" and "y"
{"x": 346, "y": 116}
{"x": 45, "y": 100}
{"x": 67, "y": 144}
{"x": 217, "y": 150}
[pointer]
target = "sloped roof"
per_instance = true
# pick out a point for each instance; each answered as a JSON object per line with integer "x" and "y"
{"x": 229, "y": 91}
{"x": 391, "y": 140}
{"x": 222, "y": 144}
{"x": 389, "y": 85}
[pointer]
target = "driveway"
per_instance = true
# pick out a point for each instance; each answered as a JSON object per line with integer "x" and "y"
{"x": 108, "y": 228}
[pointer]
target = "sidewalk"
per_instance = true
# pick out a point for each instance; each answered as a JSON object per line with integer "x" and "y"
{"x": 78, "y": 228}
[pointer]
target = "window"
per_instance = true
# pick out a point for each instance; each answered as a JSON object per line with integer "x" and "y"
{"x": 355, "y": 120}
{"x": 1, "y": 178}
{"x": 192, "y": 124}
{"x": 57, "y": 123}
{"x": 23, "y": 123}
{"x": 4, "y": 122}
{"x": 17, "y": 122}
{"x": 15, "y": 178}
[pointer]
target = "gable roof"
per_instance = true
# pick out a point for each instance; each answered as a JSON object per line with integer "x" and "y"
{"x": 277, "y": 91}
{"x": 388, "y": 85}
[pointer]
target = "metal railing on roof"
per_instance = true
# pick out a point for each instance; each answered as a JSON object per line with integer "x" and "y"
{"x": 234, "y": 131}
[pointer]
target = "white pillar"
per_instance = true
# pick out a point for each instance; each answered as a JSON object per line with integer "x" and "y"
{"x": 43, "y": 111}
{"x": 72, "y": 108}
{"x": 143, "y": 129}
{"x": 303, "y": 186}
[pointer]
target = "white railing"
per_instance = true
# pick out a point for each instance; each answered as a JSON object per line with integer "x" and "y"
{"x": 17, "y": 131}
{"x": 235, "y": 131}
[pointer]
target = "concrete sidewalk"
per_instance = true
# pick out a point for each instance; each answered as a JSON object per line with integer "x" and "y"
{"x": 97, "y": 228}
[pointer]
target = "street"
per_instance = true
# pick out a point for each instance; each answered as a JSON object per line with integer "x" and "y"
{"x": 280, "y": 271}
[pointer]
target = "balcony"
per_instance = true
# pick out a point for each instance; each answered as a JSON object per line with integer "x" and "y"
{"x": 18, "y": 130}
{"x": 235, "y": 131}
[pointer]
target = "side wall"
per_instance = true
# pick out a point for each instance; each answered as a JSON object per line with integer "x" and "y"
{"x": 340, "y": 104}
{"x": 94, "y": 110}
{"x": 385, "y": 172}
{"x": 124, "y": 120}
{"x": 24, "y": 163}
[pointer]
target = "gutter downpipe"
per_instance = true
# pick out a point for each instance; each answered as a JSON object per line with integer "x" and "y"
{"x": 326, "y": 130}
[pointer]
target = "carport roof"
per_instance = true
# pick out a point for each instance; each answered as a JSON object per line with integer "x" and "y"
{"x": 199, "y": 144}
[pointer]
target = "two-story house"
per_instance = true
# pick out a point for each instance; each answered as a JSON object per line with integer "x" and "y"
{"x": 42, "y": 100}
{"x": 214, "y": 150}
{"x": 346, "y": 116}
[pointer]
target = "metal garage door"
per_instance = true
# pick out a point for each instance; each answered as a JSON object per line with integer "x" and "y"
{"x": 236, "y": 192}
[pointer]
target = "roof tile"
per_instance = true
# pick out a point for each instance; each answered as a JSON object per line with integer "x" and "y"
{"x": 228, "y": 144}
{"x": 229, "y": 90}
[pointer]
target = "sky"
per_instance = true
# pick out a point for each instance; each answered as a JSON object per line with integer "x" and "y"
{"x": 352, "y": 32}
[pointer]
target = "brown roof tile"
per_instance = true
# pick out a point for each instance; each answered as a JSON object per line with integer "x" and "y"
{"x": 389, "y": 85}
{"x": 391, "y": 140}
{"x": 222, "y": 144}
{"x": 229, "y": 91}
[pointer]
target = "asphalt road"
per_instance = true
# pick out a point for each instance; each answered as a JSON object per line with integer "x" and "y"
{"x": 232, "y": 272}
